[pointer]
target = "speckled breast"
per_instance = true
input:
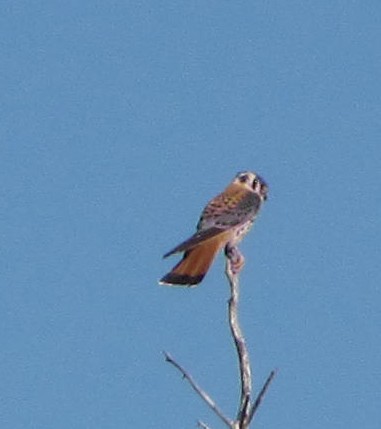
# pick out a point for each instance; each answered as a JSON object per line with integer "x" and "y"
{"x": 241, "y": 231}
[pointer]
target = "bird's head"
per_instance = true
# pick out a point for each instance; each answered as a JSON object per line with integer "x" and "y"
{"x": 252, "y": 182}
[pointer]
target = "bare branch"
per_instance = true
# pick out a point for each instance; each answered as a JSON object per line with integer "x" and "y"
{"x": 234, "y": 263}
{"x": 246, "y": 410}
{"x": 199, "y": 391}
{"x": 261, "y": 395}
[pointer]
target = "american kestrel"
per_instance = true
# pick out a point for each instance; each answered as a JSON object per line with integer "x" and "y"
{"x": 223, "y": 223}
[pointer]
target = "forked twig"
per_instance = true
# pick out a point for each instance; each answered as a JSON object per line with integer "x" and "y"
{"x": 246, "y": 409}
{"x": 233, "y": 255}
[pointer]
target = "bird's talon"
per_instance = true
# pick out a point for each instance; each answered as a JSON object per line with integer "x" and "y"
{"x": 235, "y": 257}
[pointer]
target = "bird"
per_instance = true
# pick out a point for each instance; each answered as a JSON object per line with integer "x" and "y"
{"x": 223, "y": 223}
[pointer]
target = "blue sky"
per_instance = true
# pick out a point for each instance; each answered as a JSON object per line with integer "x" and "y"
{"x": 119, "y": 121}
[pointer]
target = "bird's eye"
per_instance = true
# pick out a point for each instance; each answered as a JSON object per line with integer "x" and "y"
{"x": 243, "y": 179}
{"x": 255, "y": 183}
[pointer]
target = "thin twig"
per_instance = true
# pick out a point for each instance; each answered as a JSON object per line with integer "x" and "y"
{"x": 261, "y": 394}
{"x": 239, "y": 341}
{"x": 198, "y": 390}
{"x": 202, "y": 425}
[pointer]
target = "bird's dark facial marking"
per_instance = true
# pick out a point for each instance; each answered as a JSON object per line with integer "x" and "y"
{"x": 243, "y": 178}
{"x": 263, "y": 190}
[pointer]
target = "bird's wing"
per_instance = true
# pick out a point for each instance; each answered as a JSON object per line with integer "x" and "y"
{"x": 219, "y": 216}
{"x": 197, "y": 238}
{"x": 225, "y": 212}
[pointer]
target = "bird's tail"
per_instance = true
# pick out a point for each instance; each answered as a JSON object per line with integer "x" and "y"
{"x": 194, "y": 265}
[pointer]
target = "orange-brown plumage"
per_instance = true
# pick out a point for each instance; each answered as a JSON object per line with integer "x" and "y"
{"x": 195, "y": 262}
{"x": 223, "y": 223}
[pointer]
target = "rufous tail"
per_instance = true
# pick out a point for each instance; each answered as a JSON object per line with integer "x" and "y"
{"x": 194, "y": 265}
